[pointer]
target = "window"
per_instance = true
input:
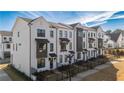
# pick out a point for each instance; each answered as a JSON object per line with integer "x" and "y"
{"x": 80, "y": 33}
{"x": 40, "y": 32}
{"x": 51, "y": 34}
{"x": 16, "y": 47}
{"x": 42, "y": 46}
{"x": 91, "y": 34}
{"x": 70, "y": 45}
{"x": 13, "y": 47}
{"x": 89, "y": 53}
{"x": 4, "y": 38}
{"x": 88, "y": 34}
{"x": 51, "y": 47}
{"x": 84, "y": 35}
{"x": 94, "y": 45}
{"x": 41, "y": 62}
{"x": 94, "y": 35}
{"x": 66, "y": 34}
{"x": 83, "y": 44}
{"x": 10, "y": 39}
{"x": 66, "y": 58}
{"x": 70, "y": 35}
{"x": 78, "y": 55}
{"x": 18, "y": 34}
{"x": 60, "y": 33}
{"x": 8, "y": 46}
{"x": 63, "y": 46}
{"x": 61, "y": 58}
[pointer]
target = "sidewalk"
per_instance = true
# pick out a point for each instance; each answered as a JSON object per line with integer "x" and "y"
{"x": 82, "y": 75}
{"x": 4, "y": 76}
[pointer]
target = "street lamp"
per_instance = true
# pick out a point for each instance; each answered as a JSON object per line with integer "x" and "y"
{"x": 70, "y": 56}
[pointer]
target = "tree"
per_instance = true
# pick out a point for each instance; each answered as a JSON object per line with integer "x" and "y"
{"x": 108, "y": 31}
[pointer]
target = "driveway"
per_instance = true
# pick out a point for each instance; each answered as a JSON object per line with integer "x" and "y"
{"x": 4, "y": 76}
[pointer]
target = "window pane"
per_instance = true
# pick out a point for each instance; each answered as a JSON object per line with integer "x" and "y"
{"x": 70, "y": 34}
{"x": 61, "y": 58}
{"x": 8, "y": 46}
{"x": 51, "y": 34}
{"x": 40, "y": 32}
{"x": 40, "y": 62}
{"x": 51, "y": 47}
{"x": 66, "y": 34}
{"x": 66, "y": 58}
{"x": 60, "y": 34}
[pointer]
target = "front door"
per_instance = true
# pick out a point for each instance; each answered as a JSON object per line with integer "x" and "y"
{"x": 51, "y": 64}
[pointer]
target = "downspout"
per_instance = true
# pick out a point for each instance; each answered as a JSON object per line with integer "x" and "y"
{"x": 74, "y": 39}
{"x": 2, "y": 46}
{"x": 29, "y": 24}
{"x": 56, "y": 50}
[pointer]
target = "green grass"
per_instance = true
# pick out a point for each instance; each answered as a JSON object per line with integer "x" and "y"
{"x": 15, "y": 75}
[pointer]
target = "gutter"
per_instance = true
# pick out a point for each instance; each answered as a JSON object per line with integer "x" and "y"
{"x": 29, "y": 24}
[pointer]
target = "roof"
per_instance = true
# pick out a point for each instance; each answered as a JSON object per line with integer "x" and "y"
{"x": 114, "y": 36}
{"x": 26, "y": 19}
{"x": 83, "y": 27}
{"x": 66, "y": 25}
{"x": 5, "y": 33}
{"x": 73, "y": 25}
{"x": 96, "y": 27}
{"x": 60, "y": 25}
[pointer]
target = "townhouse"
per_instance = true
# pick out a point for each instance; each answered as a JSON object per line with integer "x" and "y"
{"x": 40, "y": 45}
{"x": 88, "y": 41}
{"x": 100, "y": 40}
{"x": 5, "y": 44}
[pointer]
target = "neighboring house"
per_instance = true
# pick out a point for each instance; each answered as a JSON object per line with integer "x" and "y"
{"x": 118, "y": 38}
{"x": 108, "y": 43}
{"x": 40, "y": 45}
{"x": 5, "y": 44}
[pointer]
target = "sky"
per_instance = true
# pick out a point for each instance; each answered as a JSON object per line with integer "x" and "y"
{"x": 108, "y": 20}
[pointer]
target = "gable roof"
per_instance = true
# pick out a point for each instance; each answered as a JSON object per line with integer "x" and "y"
{"x": 73, "y": 25}
{"x": 26, "y": 19}
{"x": 83, "y": 27}
{"x": 61, "y": 25}
{"x": 115, "y": 36}
{"x": 96, "y": 27}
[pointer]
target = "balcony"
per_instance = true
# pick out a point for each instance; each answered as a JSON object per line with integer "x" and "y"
{"x": 41, "y": 48}
{"x": 100, "y": 43}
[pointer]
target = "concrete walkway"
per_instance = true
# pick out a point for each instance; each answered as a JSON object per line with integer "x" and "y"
{"x": 82, "y": 75}
{"x": 4, "y": 76}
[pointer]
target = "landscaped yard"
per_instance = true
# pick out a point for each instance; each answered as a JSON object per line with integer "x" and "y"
{"x": 13, "y": 73}
{"x": 113, "y": 73}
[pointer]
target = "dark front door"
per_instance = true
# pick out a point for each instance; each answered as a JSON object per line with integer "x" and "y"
{"x": 51, "y": 64}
